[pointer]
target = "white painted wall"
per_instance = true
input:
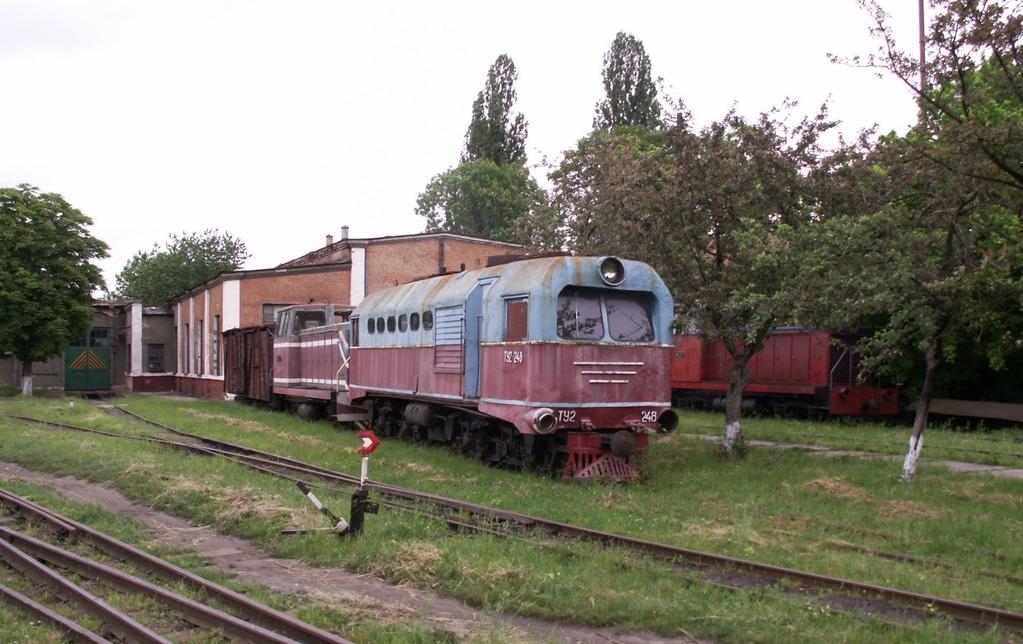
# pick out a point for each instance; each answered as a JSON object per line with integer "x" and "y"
{"x": 189, "y": 368}
{"x": 137, "y": 350}
{"x": 232, "y": 294}
{"x": 179, "y": 329}
{"x": 206, "y": 333}
{"x": 358, "y": 276}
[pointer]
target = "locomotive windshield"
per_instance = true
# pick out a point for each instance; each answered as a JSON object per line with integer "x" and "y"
{"x": 581, "y": 315}
{"x": 628, "y": 317}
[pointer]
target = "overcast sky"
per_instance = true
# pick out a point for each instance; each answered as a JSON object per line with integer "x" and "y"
{"x": 281, "y": 121}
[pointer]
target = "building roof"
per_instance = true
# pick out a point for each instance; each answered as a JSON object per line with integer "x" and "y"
{"x": 390, "y": 239}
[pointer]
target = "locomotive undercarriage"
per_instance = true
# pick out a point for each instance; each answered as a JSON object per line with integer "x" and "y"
{"x": 490, "y": 440}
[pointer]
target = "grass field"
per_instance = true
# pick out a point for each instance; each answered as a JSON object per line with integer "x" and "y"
{"x": 989, "y": 446}
{"x": 782, "y": 507}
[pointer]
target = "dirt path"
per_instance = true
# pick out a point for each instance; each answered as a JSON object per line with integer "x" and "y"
{"x": 360, "y": 594}
{"x": 818, "y": 450}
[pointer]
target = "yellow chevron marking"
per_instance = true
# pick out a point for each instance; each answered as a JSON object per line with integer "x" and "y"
{"x": 87, "y": 360}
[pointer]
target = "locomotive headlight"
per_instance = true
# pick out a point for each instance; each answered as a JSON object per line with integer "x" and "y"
{"x": 612, "y": 271}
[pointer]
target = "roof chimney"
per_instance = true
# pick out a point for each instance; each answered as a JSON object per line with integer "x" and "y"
{"x": 344, "y": 233}
{"x": 330, "y": 240}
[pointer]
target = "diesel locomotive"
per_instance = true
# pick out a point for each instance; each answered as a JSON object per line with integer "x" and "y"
{"x": 561, "y": 364}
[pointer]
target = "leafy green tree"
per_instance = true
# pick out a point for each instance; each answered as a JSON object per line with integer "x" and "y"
{"x": 630, "y": 92}
{"x": 157, "y": 275}
{"x": 485, "y": 199}
{"x": 713, "y": 211}
{"x": 949, "y": 236}
{"x": 495, "y": 132}
{"x": 46, "y": 255}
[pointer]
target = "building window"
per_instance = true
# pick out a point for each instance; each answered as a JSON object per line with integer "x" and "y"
{"x": 154, "y": 358}
{"x": 99, "y": 337}
{"x": 215, "y": 347}
{"x": 198, "y": 348}
{"x": 185, "y": 364}
{"x": 270, "y": 312}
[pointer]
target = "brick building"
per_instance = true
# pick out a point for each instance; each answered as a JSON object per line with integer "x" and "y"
{"x": 342, "y": 272}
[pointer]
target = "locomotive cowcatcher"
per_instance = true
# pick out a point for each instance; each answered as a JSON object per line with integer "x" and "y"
{"x": 560, "y": 364}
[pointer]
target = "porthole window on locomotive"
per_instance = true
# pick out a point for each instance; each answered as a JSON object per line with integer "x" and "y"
{"x": 413, "y": 321}
{"x": 403, "y": 323}
{"x": 380, "y": 325}
{"x": 390, "y": 323}
{"x": 579, "y": 316}
{"x": 371, "y": 326}
{"x": 427, "y": 320}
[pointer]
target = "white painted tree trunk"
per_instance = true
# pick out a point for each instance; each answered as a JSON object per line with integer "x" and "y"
{"x": 916, "y": 445}
{"x": 923, "y": 407}
{"x": 732, "y": 432}
{"x": 26, "y": 378}
{"x": 732, "y": 445}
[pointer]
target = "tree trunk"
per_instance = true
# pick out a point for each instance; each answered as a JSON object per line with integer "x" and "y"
{"x": 923, "y": 406}
{"x": 26, "y": 378}
{"x": 733, "y": 445}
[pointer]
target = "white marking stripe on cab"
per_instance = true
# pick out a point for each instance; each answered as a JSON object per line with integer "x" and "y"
{"x": 533, "y": 403}
{"x": 295, "y": 381}
{"x": 311, "y": 343}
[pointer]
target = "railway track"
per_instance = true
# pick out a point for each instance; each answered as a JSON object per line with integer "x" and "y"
{"x": 465, "y": 515}
{"x": 249, "y": 620}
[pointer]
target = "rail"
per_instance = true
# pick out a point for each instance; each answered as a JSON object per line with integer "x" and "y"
{"x": 268, "y": 618}
{"x": 269, "y": 463}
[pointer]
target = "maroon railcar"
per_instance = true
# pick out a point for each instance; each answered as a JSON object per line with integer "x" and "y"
{"x": 796, "y": 369}
{"x": 248, "y": 358}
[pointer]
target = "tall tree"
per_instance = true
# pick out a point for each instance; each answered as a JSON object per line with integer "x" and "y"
{"x": 953, "y": 230}
{"x": 484, "y": 199}
{"x": 495, "y": 132}
{"x": 713, "y": 211}
{"x": 46, "y": 259}
{"x": 157, "y": 275}
{"x": 630, "y": 92}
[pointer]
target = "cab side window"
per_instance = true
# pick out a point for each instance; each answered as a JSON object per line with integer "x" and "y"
{"x": 516, "y": 319}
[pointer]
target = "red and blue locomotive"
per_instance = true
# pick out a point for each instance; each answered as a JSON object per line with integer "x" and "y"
{"x": 558, "y": 363}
